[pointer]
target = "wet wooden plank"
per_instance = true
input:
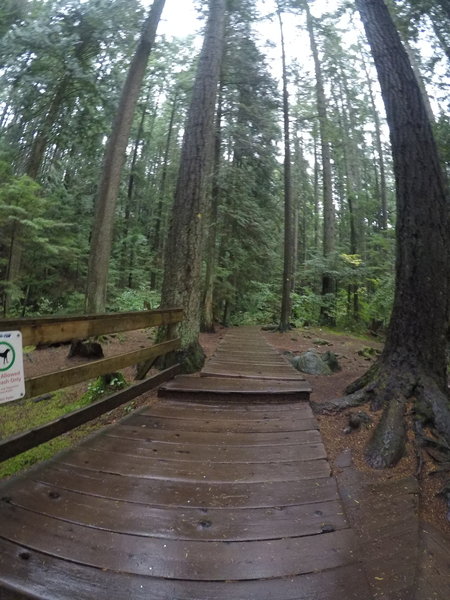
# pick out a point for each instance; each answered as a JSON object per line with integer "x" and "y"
{"x": 258, "y": 372}
{"x": 222, "y": 425}
{"x": 177, "y": 559}
{"x": 181, "y": 411}
{"x": 220, "y": 410}
{"x": 210, "y": 438}
{"x": 202, "y": 494}
{"x": 221, "y": 405}
{"x": 223, "y": 385}
{"x": 33, "y": 573}
{"x": 268, "y": 358}
{"x": 202, "y": 452}
{"x": 151, "y": 468}
{"x": 213, "y": 524}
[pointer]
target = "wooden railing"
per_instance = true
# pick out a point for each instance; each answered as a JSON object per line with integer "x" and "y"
{"x": 49, "y": 330}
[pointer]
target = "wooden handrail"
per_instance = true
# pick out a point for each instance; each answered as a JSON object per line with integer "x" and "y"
{"x": 16, "y": 444}
{"x": 61, "y": 379}
{"x": 48, "y": 330}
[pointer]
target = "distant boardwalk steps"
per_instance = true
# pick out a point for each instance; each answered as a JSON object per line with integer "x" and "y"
{"x": 221, "y": 490}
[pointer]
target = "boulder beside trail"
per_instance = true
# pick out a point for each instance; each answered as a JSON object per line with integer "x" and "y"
{"x": 311, "y": 362}
{"x": 314, "y": 363}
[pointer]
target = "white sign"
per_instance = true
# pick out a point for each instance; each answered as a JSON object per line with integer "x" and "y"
{"x": 12, "y": 380}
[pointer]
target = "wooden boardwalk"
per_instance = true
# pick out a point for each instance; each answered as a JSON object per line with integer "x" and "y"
{"x": 219, "y": 491}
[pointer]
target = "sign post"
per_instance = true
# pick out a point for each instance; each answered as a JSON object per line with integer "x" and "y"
{"x": 12, "y": 380}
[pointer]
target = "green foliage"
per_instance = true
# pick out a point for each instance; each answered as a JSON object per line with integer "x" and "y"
{"x": 306, "y": 307}
{"x": 21, "y": 415}
{"x": 142, "y": 298}
{"x": 31, "y": 236}
{"x": 103, "y": 385}
{"x": 258, "y": 306}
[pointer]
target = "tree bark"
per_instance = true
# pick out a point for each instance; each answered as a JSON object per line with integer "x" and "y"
{"x": 182, "y": 280}
{"x": 126, "y": 260}
{"x": 413, "y": 362}
{"x": 211, "y": 249}
{"x": 289, "y": 233}
{"x": 383, "y": 217}
{"x": 102, "y": 233}
{"x": 156, "y": 246}
{"x": 329, "y": 218}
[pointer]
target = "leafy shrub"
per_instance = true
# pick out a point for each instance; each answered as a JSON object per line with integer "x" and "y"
{"x": 135, "y": 299}
{"x": 103, "y": 385}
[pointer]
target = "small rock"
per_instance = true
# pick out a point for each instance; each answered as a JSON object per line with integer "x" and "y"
{"x": 321, "y": 342}
{"x": 354, "y": 421}
{"x": 368, "y": 352}
{"x": 331, "y": 360}
{"x": 344, "y": 459}
{"x": 272, "y": 327}
{"x": 327, "y": 528}
{"x": 364, "y": 417}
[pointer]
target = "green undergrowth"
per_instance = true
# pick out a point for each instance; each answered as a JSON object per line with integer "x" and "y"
{"x": 44, "y": 451}
{"x": 337, "y": 332}
{"x": 22, "y": 415}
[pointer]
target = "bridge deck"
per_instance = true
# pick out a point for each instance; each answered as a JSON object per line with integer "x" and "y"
{"x": 220, "y": 490}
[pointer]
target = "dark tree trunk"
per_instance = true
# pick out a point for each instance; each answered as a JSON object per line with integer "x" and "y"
{"x": 102, "y": 233}
{"x": 182, "y": 281}
{"x": 156, "y": 246}
{"x": 413, "y": 362}
{"x": 127, "y": 252}
{"x": 328, "y": 282}
{"x": 316, "y": 190}
{"x": 383, "y": 216}
{"x": 289, "y": 233}
{"x": 211, "y": 250}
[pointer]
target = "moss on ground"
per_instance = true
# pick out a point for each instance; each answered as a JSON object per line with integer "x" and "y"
{"x": 19, "y": 416}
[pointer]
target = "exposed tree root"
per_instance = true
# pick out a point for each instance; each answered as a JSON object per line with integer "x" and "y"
{"x": 389, "y": 388}
{"x": 387, "y": 444}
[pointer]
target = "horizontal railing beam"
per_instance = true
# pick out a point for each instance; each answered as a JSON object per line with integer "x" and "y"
{"x": 21, "y": 442}
{"x": 49, "y": 330}
{"x": 36, "y": 386}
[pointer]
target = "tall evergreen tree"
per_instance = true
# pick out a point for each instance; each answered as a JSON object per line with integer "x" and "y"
{"x": 182, "y": 281}
{"x": 413, "y": 363}
{"x": 101, "y": 241}
{"x": 329, "y": 216}
{"x": 289, "y": 227}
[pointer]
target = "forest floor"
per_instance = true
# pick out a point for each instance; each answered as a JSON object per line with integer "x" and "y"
{"x": 353, "y": 356}
{"x": 352, "y": 353}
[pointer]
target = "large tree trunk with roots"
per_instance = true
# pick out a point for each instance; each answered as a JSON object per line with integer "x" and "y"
{"x": 413, "y": 363}
{"x": 182, "y": 265}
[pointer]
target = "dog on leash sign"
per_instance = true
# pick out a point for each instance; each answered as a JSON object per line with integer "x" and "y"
{"x": 12, "y": 379}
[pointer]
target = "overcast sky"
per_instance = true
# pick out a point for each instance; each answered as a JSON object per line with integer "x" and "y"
{"x": 180, "y": 19}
